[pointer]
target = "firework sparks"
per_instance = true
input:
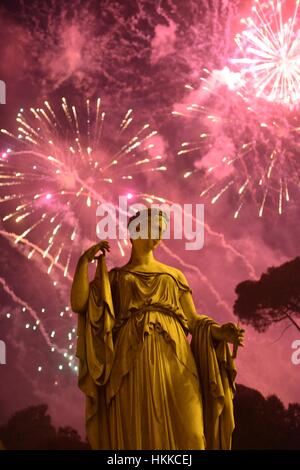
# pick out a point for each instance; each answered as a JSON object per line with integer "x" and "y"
{"x": 270, "y": 47}
{"x": 245, "y": 146}
{"x": 63, "y": 165}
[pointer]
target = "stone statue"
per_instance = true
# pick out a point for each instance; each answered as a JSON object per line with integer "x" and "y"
{"x": 146, "y": 386}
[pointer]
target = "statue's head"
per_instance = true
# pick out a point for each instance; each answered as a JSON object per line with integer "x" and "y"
{"x": 146, "y": 228}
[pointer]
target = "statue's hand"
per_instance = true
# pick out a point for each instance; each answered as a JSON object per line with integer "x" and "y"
{"x": 232, "y": 334}
{"x": 90, "y": 254}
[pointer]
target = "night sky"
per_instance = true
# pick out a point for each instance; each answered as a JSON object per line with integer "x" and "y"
{"x": 139, "y": 55}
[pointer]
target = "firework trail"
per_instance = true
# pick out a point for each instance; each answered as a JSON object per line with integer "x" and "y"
{"x": 32, "y": 248}
{"x": 220, "y": 236}
{"x": 64, "y": 334}
{"x": 32, "y": 312}
{"x": 204, "y": 279}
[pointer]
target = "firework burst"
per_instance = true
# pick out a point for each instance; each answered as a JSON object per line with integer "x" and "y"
{"x": 270, "y": 48}
{"x": 61, "y": 165}
{"x": 245, "y": 146}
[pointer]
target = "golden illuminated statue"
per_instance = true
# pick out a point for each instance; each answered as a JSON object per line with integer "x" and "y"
{"x": 146, "y": 386}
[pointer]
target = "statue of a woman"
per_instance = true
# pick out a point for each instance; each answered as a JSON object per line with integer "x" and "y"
{"x": 146, "y": 386}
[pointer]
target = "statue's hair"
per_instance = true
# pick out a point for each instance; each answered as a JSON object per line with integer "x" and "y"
{"x": 147, "y": 213}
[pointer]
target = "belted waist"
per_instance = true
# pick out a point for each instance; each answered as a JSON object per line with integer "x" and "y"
{"x": 140, "y": 311}
{"x": 152, "y": 308}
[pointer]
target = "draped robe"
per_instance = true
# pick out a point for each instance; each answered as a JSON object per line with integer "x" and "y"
{"x": 146, "y": 386}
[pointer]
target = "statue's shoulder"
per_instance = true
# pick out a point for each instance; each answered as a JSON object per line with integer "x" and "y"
{"x": 172, "y": 270}
{"x": 158, "y": 267}
{"x": 177, "y": 274}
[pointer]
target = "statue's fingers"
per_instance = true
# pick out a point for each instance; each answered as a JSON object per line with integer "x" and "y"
{"x": 105, "y": 245}
{"x": 95, "y": 248}
{"x": 238, "y": 338}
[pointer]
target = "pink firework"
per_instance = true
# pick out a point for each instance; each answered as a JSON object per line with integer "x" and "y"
{"x": 269, "y": 46}
{"x": 246, "y": 148}
{"x": 62, "y": 164}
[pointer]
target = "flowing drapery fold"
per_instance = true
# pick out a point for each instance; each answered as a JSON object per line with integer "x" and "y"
{"x": 95, "y": 352}
{"x": 217, "y": 374}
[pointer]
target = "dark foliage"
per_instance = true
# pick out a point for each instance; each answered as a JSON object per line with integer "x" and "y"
{"x": 31, "y": 429}
{"x": 273, "y": 298}
{"x": 261, "y": 423}
{"x": 264, "y": 423}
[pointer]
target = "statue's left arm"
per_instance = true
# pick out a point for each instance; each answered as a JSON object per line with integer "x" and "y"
{"x": 228, "y": 332}
{"x": 216, "y": 370}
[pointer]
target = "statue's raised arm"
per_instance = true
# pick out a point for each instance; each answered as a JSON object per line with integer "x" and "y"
{"x": 80, "y": 285}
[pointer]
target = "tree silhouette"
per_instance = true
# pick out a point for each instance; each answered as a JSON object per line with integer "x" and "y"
{"x": 67, "y": 438}
{"x": 264, "y": 423}
{"x": 273, "y": 298}
{"x": 32, "y": 429}
{"x": 261, "y": 423}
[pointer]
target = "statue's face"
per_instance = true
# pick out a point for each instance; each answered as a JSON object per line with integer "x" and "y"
{"x": 159, "y": 226}
{"x": 150, "y": 237}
